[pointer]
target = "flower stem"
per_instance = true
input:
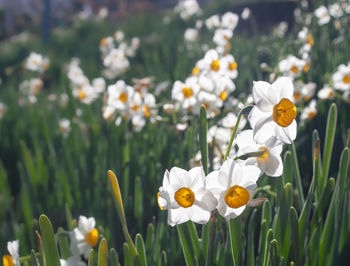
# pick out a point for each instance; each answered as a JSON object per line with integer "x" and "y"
{"x": 212, "y": 227}
{"x": 298, "y": 177}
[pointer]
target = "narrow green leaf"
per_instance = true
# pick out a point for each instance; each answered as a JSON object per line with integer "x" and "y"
{"x": 297, "y": 248}
{"x": 235, "y": 231}
{"x": 128, "y": 257}
{"x": 269, "y": 237}
{"x": 163, "y": 259}
{"x": 203, "y": 128}
{"x": 69, "y": 218}
{"x": 140, "y": 246}
{"x": 250, "y": 241}
{"x": 185, "y": 246}
{"x": 273, "y": 253}
{"x": 149, "y": 238}
{"x": 113, "y": 257}
{"x": 194, "y": 238}
{"x": 328, "y": 146}
{"x": 138, "y": 199}
{"x": 102, "y": 253}
{"x": 298, "y": 183}
{"x": 33, "y": 259}
{"x": 287, "y": 175}
{"x": 91, "y": 258}
{"x": 50, "y": 250}
{"x": 63, "y": 244}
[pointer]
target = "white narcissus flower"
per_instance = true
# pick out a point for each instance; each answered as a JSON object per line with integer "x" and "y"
{"x": 322, "y": 14}
{"x": 212, "y": 22}
{"x": 341, "y": 78}
{"x": 270, "y": 161}
{"x": 222, "y": 37}
{"x": 191, "y": 35}
{"x": 13, "y": 258}
{"x": 309, "y": 111}
{"x": 84, "y": 237}
{"x": 230, "y": 65}
{"x": 326, "y": 92}
{"x": 184, "y": 195}
{"x": 72, "y": 261}
{"x": 275, "y": 112}
{"x": 229, "y": 20}
{"x": 291, "y": 66}
{"x": 186, "y": 93}
{"x": 233, "y": 186}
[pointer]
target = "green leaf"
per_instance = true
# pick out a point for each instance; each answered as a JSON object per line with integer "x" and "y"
{"x": 273, "y": 252}
{"x": 250, "y": 240}
{"x": 140, "y": 246}
{"x": 33, "y": 259}
{"x": 298, "y": 183}
{"x": 269, "y": 237}
{"x": 113, "y": 257}
{"x": 128, "y": 256}
{"x": 91, "y": 258}
{"x": 328, "y": 147}
{"x": 102, "y": 253}
{"x": 163, "y": 259}
{"x": 194, "y": 238}
{"x": 50, "y": 250}
{"x": 297, "y": 248}
{"x": 235, "y": 231}
{"x": 203, "y": 128}
{"x": 188, "y": 254}
{"x": 138, "y": 199}
{"x": 63, "y": 244}
{"x": 69, "y": 218}
{"x": 149, "y": 238}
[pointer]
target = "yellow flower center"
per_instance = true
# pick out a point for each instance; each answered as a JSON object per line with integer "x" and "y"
{"x": 158, "y": 195}
{"x": 297, "y": 95}
{"x": 311, "y": 115}
{"x": 294, "y": 69}
{"x": 232, "y": 66}
{"x": 310, "y": 40}
{"x": 284, "y": 112}
{"x": 236, "y": 196}
{"x": 123, "y": 97}
{"x": 307, "y": 67}
{"x": 187, "y": 92}
{"x": 206, "y": 105}
{"x": 184, "y": 197}
{"x": 46, "y": 66}
{"x": 330, "y": 94}
{"x": 264, "y": 156}
{"x": 135, "y": 107}
{"x": 195, "y": 71}
{"x": 215, "y": 65}
{"x": 92, "y": 237}
{"x": 146, "y": 111}
{"x": 307, "y": 98}
{"x": 82, "y": 95}
{"x": 346, "y": 79}
{"x": 7, "y": 260}
{"x": 223, "y": 95}
{"x": 103, "y": 42}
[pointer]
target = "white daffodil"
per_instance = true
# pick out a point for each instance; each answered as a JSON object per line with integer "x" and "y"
{"x": 309, "y": 111}
{"x": 229, "y": 20}
{"x": 36, "y": 62}
{"x": 303, "y": 91}
{"x": 291, "y": 66}
{"x": 222, "y": 37}
{"x": 229, "y": 121}
{"x": 335, "y": 10}
{"x": 72, "y": 261}
{"x": 270, "y": 161}
{"x": 191, "y": 35}
{"x": 209, "y": 101}
{"x": 186, "y": 93}
{"x": 322, "y": 14}
{"x": 84, "y": 237}
{"x": 106, "y": 44}
{"x": 230, "y": 65}
{"x": 223, "y": 86}
{"x": 327, "y": 92}
{"x": 211, "y": 62}
{"x": 119, "y": 95}
{"x": 99, "y": 85}
{"x": 341, "y": 78}
{"x": 212, "y": 22}
{"x": 275, "y": 112}
{"x": 13, "y": 258}
{"x": 233, "y": 186}
{"x": 184, "y": 195}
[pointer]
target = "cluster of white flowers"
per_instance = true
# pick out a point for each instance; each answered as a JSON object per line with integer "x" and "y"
{"x": 187, "y": 8}
{"x": 191, "y": 195}
{"x": 341, "y": 80}
{"x": 336, "y": 11}
{"x": 82, "y": 89}
{"x": 31, "y": 89}
{"x": 115, "y": 53}
{"x": 131, "y": 103}
{"x": 36, "y": 62}
{"x": 13, "y": 258}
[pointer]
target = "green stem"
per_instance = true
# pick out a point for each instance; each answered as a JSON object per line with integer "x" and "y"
{"x": 298, "y": 177}
{"x": 233, "y": 136}
{"x": 212, "y": 227}
{"x": 27, "y": 258}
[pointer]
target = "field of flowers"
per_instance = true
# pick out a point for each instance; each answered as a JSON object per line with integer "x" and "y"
{"x": 196, "y": 135}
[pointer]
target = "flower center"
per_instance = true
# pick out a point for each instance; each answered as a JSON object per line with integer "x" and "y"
{"x": 310, "y": 40}
{"x": 236, "y": 196}
{"x": 146, "y": 111}
{"x": 135, "y": 107}
{"x": 307, "y": 67}
{"x": 284, "y": 112}
{"x": 103, "y": 42}
{"x": 294, "y": 69}
{"x": 311, "y": 115}
{"x": 223, "y": 95}
{"x": 187, "y": 92}
{"x": 82, "y": 95}
{"x": 92, "y": 237}
{"x": 265, "y": 155}
{"x": 215, "y": 65}
{"x": 346, "y": 79}
{"x": 123, "y": 97}
{"x": 232, "y": 66}
{"x": 7, "y": 260}
{"x": 184, "y": 197}
{"x": 195, "y": 71}
{"x": 297, "y": 95}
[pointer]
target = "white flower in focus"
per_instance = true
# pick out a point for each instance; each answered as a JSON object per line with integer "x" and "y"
{"x": 270, "y": 161}
{"x": 184, "y": 194}
{"x": 233, "y": 186}
{"x": 13, "y": 258}
{"x": 275, "y": 112}
{"x": 191, "y": 35}
{"x": 72, "y": 261}
{"x": 229, "y": 20}
{"x": 84, "y": 237}
{"x": 341, "y": 78}
{"x": 326, "y": 92}
{"x": 322, "y": 14}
